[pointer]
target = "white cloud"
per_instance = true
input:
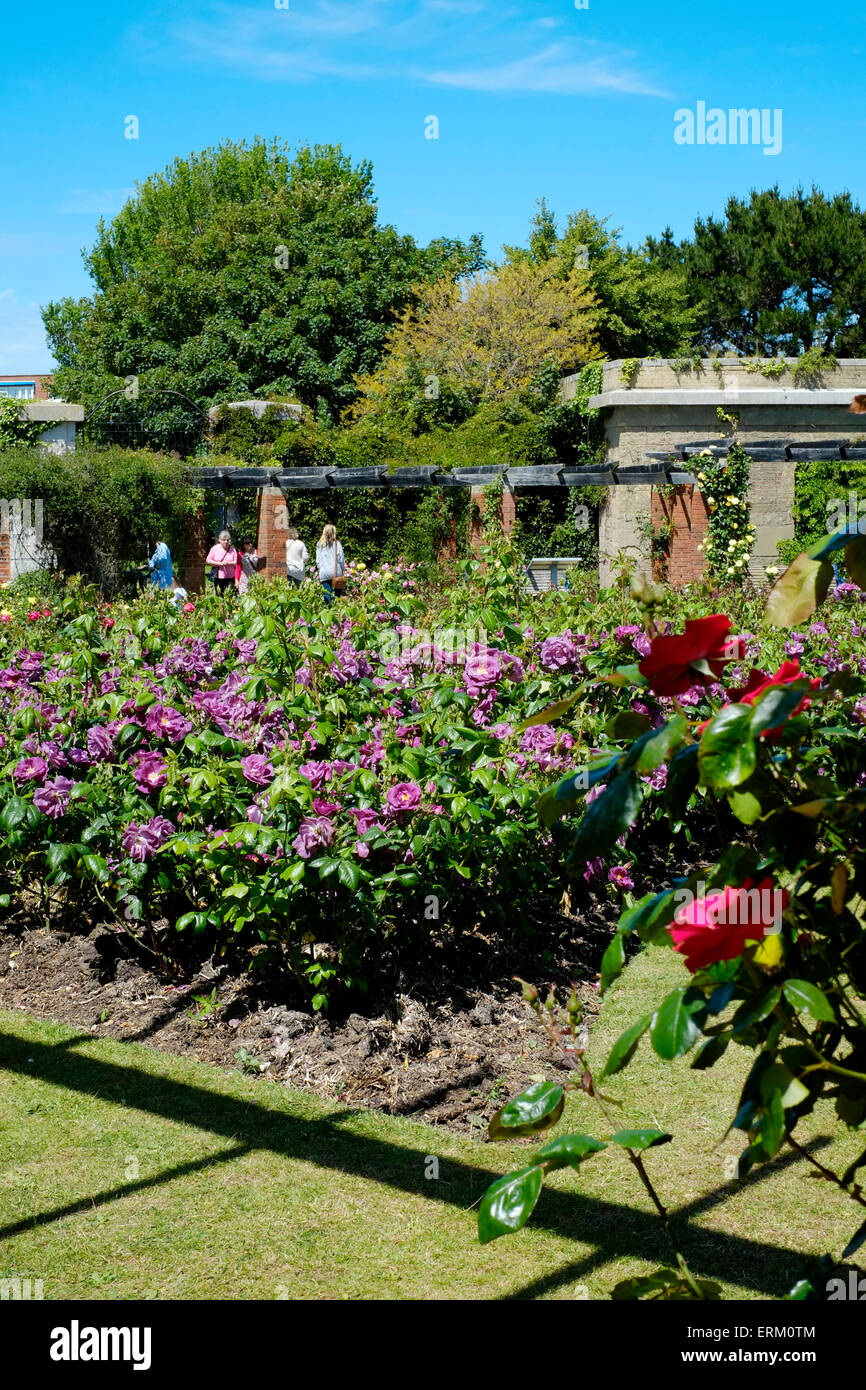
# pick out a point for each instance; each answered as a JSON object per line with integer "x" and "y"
{"x": 552, "y": 70}
{"x": 427, "y": 41}
{"x": 22, "y": 338}
{"x": 99, "y": 202}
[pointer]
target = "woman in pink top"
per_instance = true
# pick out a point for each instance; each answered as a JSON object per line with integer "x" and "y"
{"x": 224, "y": 556}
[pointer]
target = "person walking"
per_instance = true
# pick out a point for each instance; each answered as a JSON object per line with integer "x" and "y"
{"x": 161, "y": 569}
{"x": 224, "y": 558}
{"x": 247, "y": 566}
{"x": 331, "y": 563}
{"x": 297, "y": 556}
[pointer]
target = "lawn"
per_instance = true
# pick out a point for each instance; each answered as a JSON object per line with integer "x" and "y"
{"x": 127, "y": 1173}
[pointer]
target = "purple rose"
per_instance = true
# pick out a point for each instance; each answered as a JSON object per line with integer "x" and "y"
{"x": 560, "y": 654}
{"x": 315, "y": 773}
{"x": 52, "y": 799}
{"x": 483, "y": 669}
{"x": 31, "y": 770}
{"x": 167, "y": 723}
{"x": 79, "y": 757}
{"x": 257, "y": 770}
{"x": 246, "y": 649}
{"x": 313, "y": 832}
{"x": 150, "y": 774}
{"x": 364, "y": 819}
{"x": 99, "y": 743}
{"x": 539, "y": 739}
{"x": 405, "y": 796}
{"x": 138, "y": 842}
{"x": 620, "y": 875}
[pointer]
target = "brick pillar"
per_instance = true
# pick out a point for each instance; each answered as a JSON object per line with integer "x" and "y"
{"x": 271, "y": 543}
{"x": 447, "y": 552}
{"x": 508, "y": 510}
{"x": 507, "y": 515}
{"x": 196, "y": 549}
{"x": 687, "y": 509}
{"x": 5, "y": 558}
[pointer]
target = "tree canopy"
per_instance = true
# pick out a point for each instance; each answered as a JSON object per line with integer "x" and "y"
{"x": 777, "y": 275}
{"x": 240, "y": 272}
{"x": 642, "y": 305}
{"x": 483, "y": 339}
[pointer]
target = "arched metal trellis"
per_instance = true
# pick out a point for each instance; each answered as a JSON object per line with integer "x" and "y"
{"x": 162, "y": 419}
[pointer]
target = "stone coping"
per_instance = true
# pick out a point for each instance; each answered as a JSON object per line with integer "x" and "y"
{"x": 56, "y": 411}
{"x": 745, "y": 395}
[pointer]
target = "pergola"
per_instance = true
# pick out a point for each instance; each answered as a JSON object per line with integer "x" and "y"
{"x": 670, "y": 467}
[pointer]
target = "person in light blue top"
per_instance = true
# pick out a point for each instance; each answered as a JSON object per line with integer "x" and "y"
{"x": 161, "y": 571}
{"x": 331, "y": 562}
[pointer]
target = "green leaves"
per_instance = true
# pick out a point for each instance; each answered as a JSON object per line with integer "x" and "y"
{"x": 508, "y": 1204}
{"x": 727, "y": 756}
{"x": 14, "y": 812}
{"x": 640, "y": 1138}
{"x": 676, "y": 1024}
{"x": 568, "y": 1151}
{"x": 808, "y": 999}
{"x": 799, "y": 591}
{"x": 625, "y": 1046}
{"x": 535, "y": 1109}
{"x": 609, "y": 816}
{"x": 655, "y": 746}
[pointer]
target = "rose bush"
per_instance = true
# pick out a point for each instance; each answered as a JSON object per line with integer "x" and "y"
{"x": 772, "y": 934}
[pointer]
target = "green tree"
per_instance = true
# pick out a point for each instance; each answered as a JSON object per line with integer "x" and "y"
{"x": 781, "y": 275}
{"x": 241, "y": 273}
{"x": 643, "y": 308}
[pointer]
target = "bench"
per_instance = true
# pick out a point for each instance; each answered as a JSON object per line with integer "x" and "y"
{"x": 549, "y": 572}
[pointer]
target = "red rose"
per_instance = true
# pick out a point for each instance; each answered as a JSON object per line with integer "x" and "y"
{"x": 670, "y": 668}
{"x": 759, "y": 681}
{"x": 718, "y": 926}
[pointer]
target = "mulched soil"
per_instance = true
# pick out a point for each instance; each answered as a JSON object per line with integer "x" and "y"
{"x": 447, "y": 1040}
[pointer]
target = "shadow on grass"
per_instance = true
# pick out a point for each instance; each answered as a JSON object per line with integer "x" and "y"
{"x": 615, "y": 1230}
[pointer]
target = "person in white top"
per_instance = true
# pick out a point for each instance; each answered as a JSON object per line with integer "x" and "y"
{"x": 297, "y": 556}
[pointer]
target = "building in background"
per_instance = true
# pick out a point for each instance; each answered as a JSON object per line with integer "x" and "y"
{"x": 26, "y": 386}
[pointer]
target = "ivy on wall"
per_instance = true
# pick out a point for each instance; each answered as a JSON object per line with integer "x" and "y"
{"x": 15, "y": 428}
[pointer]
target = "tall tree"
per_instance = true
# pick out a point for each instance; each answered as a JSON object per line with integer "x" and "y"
{"x": 778, "y": 275}
{"x": 483, "y": 339}
{"x": 642, "y": 303}
{"x": 239, "y": 272}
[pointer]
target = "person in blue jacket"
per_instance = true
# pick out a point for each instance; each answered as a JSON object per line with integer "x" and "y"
{"x": 161, "y": 570}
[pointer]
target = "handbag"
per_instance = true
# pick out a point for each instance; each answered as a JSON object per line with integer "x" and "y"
{"x": 338, "y": 583}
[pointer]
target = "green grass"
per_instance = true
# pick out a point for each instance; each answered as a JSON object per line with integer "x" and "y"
{"x": 127, "y": 1173}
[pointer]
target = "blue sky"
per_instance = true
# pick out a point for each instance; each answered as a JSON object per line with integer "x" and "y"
{"x": 536, "y": 98}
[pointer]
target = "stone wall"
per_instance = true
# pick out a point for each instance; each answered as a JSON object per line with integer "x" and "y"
{"x": 662, "y": 409}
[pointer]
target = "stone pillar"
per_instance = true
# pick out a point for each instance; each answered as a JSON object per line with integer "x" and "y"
{"x": 619, "y": 529}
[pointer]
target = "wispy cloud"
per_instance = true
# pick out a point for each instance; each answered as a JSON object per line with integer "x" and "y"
{"x": 100, "y": 202}
{"x": 425, "y": 41}
{"x": 552, "y": 70}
